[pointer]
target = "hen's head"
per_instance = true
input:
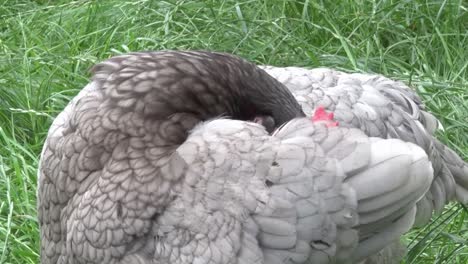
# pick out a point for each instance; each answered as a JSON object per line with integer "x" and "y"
{"x": 200, "y": 83}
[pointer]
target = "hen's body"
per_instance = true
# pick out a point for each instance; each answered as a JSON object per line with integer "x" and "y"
{"x": 123, "y": 180}
{"x": 383, "y": 108}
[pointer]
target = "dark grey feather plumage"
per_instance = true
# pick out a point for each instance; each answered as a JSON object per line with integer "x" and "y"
{"x": 102, "y": 166}
{"x": 140, "y": 168}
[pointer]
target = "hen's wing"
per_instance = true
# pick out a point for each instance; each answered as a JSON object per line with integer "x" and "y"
{"x": 307, "y": 194}
{"x": 382, "y": 108}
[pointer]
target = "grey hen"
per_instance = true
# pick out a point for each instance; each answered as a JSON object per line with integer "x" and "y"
{"x": 141, "y": 167}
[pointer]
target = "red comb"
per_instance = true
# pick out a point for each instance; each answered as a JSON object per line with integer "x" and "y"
{"x": 321, "y": 115}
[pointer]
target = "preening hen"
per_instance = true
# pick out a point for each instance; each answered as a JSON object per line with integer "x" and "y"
{"x": 202, "y": 157}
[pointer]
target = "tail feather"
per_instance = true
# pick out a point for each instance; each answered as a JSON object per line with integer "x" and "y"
{"x": 430, "y": 122}
{"x": 458, "y": 168}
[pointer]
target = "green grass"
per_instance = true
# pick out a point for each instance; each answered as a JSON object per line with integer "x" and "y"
{"x": 47, "y": 47}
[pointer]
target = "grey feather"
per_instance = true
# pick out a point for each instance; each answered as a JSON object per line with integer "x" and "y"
{"x": 382, "y": 108}
{"x": 159, "y": 159}
{"x": 107, "y": 167}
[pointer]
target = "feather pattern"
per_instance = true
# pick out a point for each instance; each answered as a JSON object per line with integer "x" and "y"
{"x": 163, "y": 158}
{"x": 106, "y": 170}
{"x": 307, "y": 188}
{"x": 384, "y": 108}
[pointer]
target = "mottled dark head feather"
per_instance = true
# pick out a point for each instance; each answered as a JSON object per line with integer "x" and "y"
{"x": 206, "y": 84}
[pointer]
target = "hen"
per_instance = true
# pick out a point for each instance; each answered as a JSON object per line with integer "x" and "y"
{"x": 202, "y": 157}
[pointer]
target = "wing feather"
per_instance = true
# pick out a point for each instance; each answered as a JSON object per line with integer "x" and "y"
{"x": 384, "y": 108}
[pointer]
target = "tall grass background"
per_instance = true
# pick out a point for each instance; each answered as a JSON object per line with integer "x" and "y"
{"x": 47, "y": 47}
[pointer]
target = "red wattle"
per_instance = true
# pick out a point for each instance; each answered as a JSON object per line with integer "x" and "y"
{"x": 321, "y": 115}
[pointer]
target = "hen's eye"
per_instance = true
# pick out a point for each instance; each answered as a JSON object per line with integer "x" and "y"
{"x": 267, "y": 121}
